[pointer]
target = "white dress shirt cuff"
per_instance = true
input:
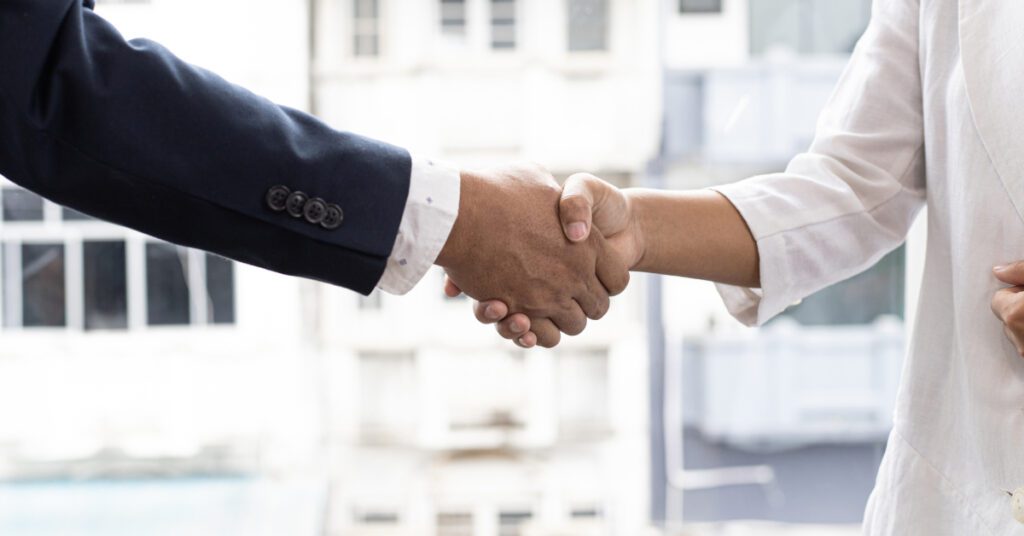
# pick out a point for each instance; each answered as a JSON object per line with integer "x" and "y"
{"x": 430, "y": 212}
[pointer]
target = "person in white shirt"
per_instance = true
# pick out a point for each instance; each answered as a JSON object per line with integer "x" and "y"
{"x": 926, "y": 113}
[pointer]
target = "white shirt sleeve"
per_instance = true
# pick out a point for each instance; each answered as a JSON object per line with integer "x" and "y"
{"x": 430, "y": 212}
{"x": 852, "y": 197}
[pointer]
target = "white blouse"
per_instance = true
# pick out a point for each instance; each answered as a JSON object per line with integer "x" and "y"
{"x": 929, "y": 110}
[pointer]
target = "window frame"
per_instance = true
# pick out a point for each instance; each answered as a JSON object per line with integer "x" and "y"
{"x": 359, "y": 26}
{"x": 72, "y": 234}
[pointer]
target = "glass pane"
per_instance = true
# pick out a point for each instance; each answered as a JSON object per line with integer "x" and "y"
{"x": 377, "y": 517}
{"x": 22, "y": 205}
{"x": 42, "y": 279}
{"x": 106, "y": 285}
{"x": 588, "y": 25}
{"x": 70, "y": 214}
{"x": 167, "y": 285}
{"x": 858, "y": 300}
{"x": 503, "y": 24}
{"x": 220, "y": 287}
{"x": 454, "y": 524}
{"x": 365, "y": 9}
{"x": 511, "y": 523}
{"x": 453, "y": 17}
{"x": 700, "y": 6}
{"x": 807, "y": 26}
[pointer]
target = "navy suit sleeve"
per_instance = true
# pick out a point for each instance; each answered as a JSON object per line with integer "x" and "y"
{"x": 127, "y": 132}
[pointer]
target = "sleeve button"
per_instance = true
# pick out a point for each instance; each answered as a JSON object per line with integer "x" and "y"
{"x": 295, "y": 203}
{"x": 315, "y": 210}
{"x": 277, "y": 196}
{"x": 333, "y": 216}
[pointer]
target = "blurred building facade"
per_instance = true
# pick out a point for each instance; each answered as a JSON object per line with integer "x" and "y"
{"x": 124, "y": 357}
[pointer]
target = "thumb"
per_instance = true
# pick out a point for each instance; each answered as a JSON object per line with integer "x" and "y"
{"x": 1011, "y": 274}
{"x": 576, "y": 208}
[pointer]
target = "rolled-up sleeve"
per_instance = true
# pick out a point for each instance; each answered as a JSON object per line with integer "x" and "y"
{"x": 852, "y": 197}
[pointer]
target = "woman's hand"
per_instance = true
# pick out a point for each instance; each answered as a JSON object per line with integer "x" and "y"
{"x": 587, "y": 202}
{"x": 1008, "y": 303}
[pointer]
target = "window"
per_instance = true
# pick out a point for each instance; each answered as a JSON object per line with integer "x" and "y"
{"x": 105, "y": 285}
{"x": 512, "y": 523}
{"x": 220, "y": 289}
{"x": 503, "y": 24}
{"x": 700, "y": 6}
{"x": 588, "y": 25}
{"x": 585, "y": 512}
{"x": 376, "y": 517}
{"x": 453, "y": 18}
{"x": 582, "y": 393}
{"x": 454, "y": 524}
{"x": 485, "y": 391}
{"x": 807, "y": 26}
{"x": 366, "y": 28}
{"x": 70, "y": 214}
{"x": 859, "y": 300}
{"x": 42, "y": 285}
{"x": 21, "y": 205}
{"x": 167, "y": 295}
{"x": 50, "y": 276}
{"x": 387, "y": 388}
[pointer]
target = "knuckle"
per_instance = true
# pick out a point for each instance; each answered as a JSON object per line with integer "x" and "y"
{"x": 1014, "y": 318}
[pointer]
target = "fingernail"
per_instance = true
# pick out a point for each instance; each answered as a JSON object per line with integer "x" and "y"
{"x": 577, "y": 230}
{"x": 1000, "y": 267}
{"x": 516, "y": 327}
{"x": 490, "y": 312}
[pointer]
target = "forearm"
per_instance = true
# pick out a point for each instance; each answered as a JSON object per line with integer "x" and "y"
{"x": 697, "y": 234}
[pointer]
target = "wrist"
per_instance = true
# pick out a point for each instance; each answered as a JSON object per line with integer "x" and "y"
{"x": 637, "y": 227}
{"x": 460, "y": 241}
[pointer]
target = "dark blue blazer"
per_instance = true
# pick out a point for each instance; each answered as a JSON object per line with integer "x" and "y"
{"x": 127, "y": 132}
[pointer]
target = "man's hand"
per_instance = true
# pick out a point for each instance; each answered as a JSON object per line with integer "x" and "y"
{"x": 586, "y": 202}
{"x": 506, "y": 245}
{"x": 1008, "y": 303}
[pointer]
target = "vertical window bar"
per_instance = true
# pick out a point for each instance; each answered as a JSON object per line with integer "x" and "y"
{"x": 51, "y": 213}
{"x": 199, "y": 304}
{"x": 135, "y": 254}
{"x": 12, "y": 284}
{"x": 73, "y": 282}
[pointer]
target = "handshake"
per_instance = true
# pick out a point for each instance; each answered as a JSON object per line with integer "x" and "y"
{"x": 539, "y": 259}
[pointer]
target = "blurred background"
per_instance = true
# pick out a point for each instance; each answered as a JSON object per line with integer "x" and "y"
{"x": 147, "y": 389}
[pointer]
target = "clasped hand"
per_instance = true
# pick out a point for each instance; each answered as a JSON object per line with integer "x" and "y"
{"x": 523, "y": 248}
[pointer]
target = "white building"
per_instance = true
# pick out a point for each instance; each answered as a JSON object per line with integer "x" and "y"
{"x": 122, "y": 356}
